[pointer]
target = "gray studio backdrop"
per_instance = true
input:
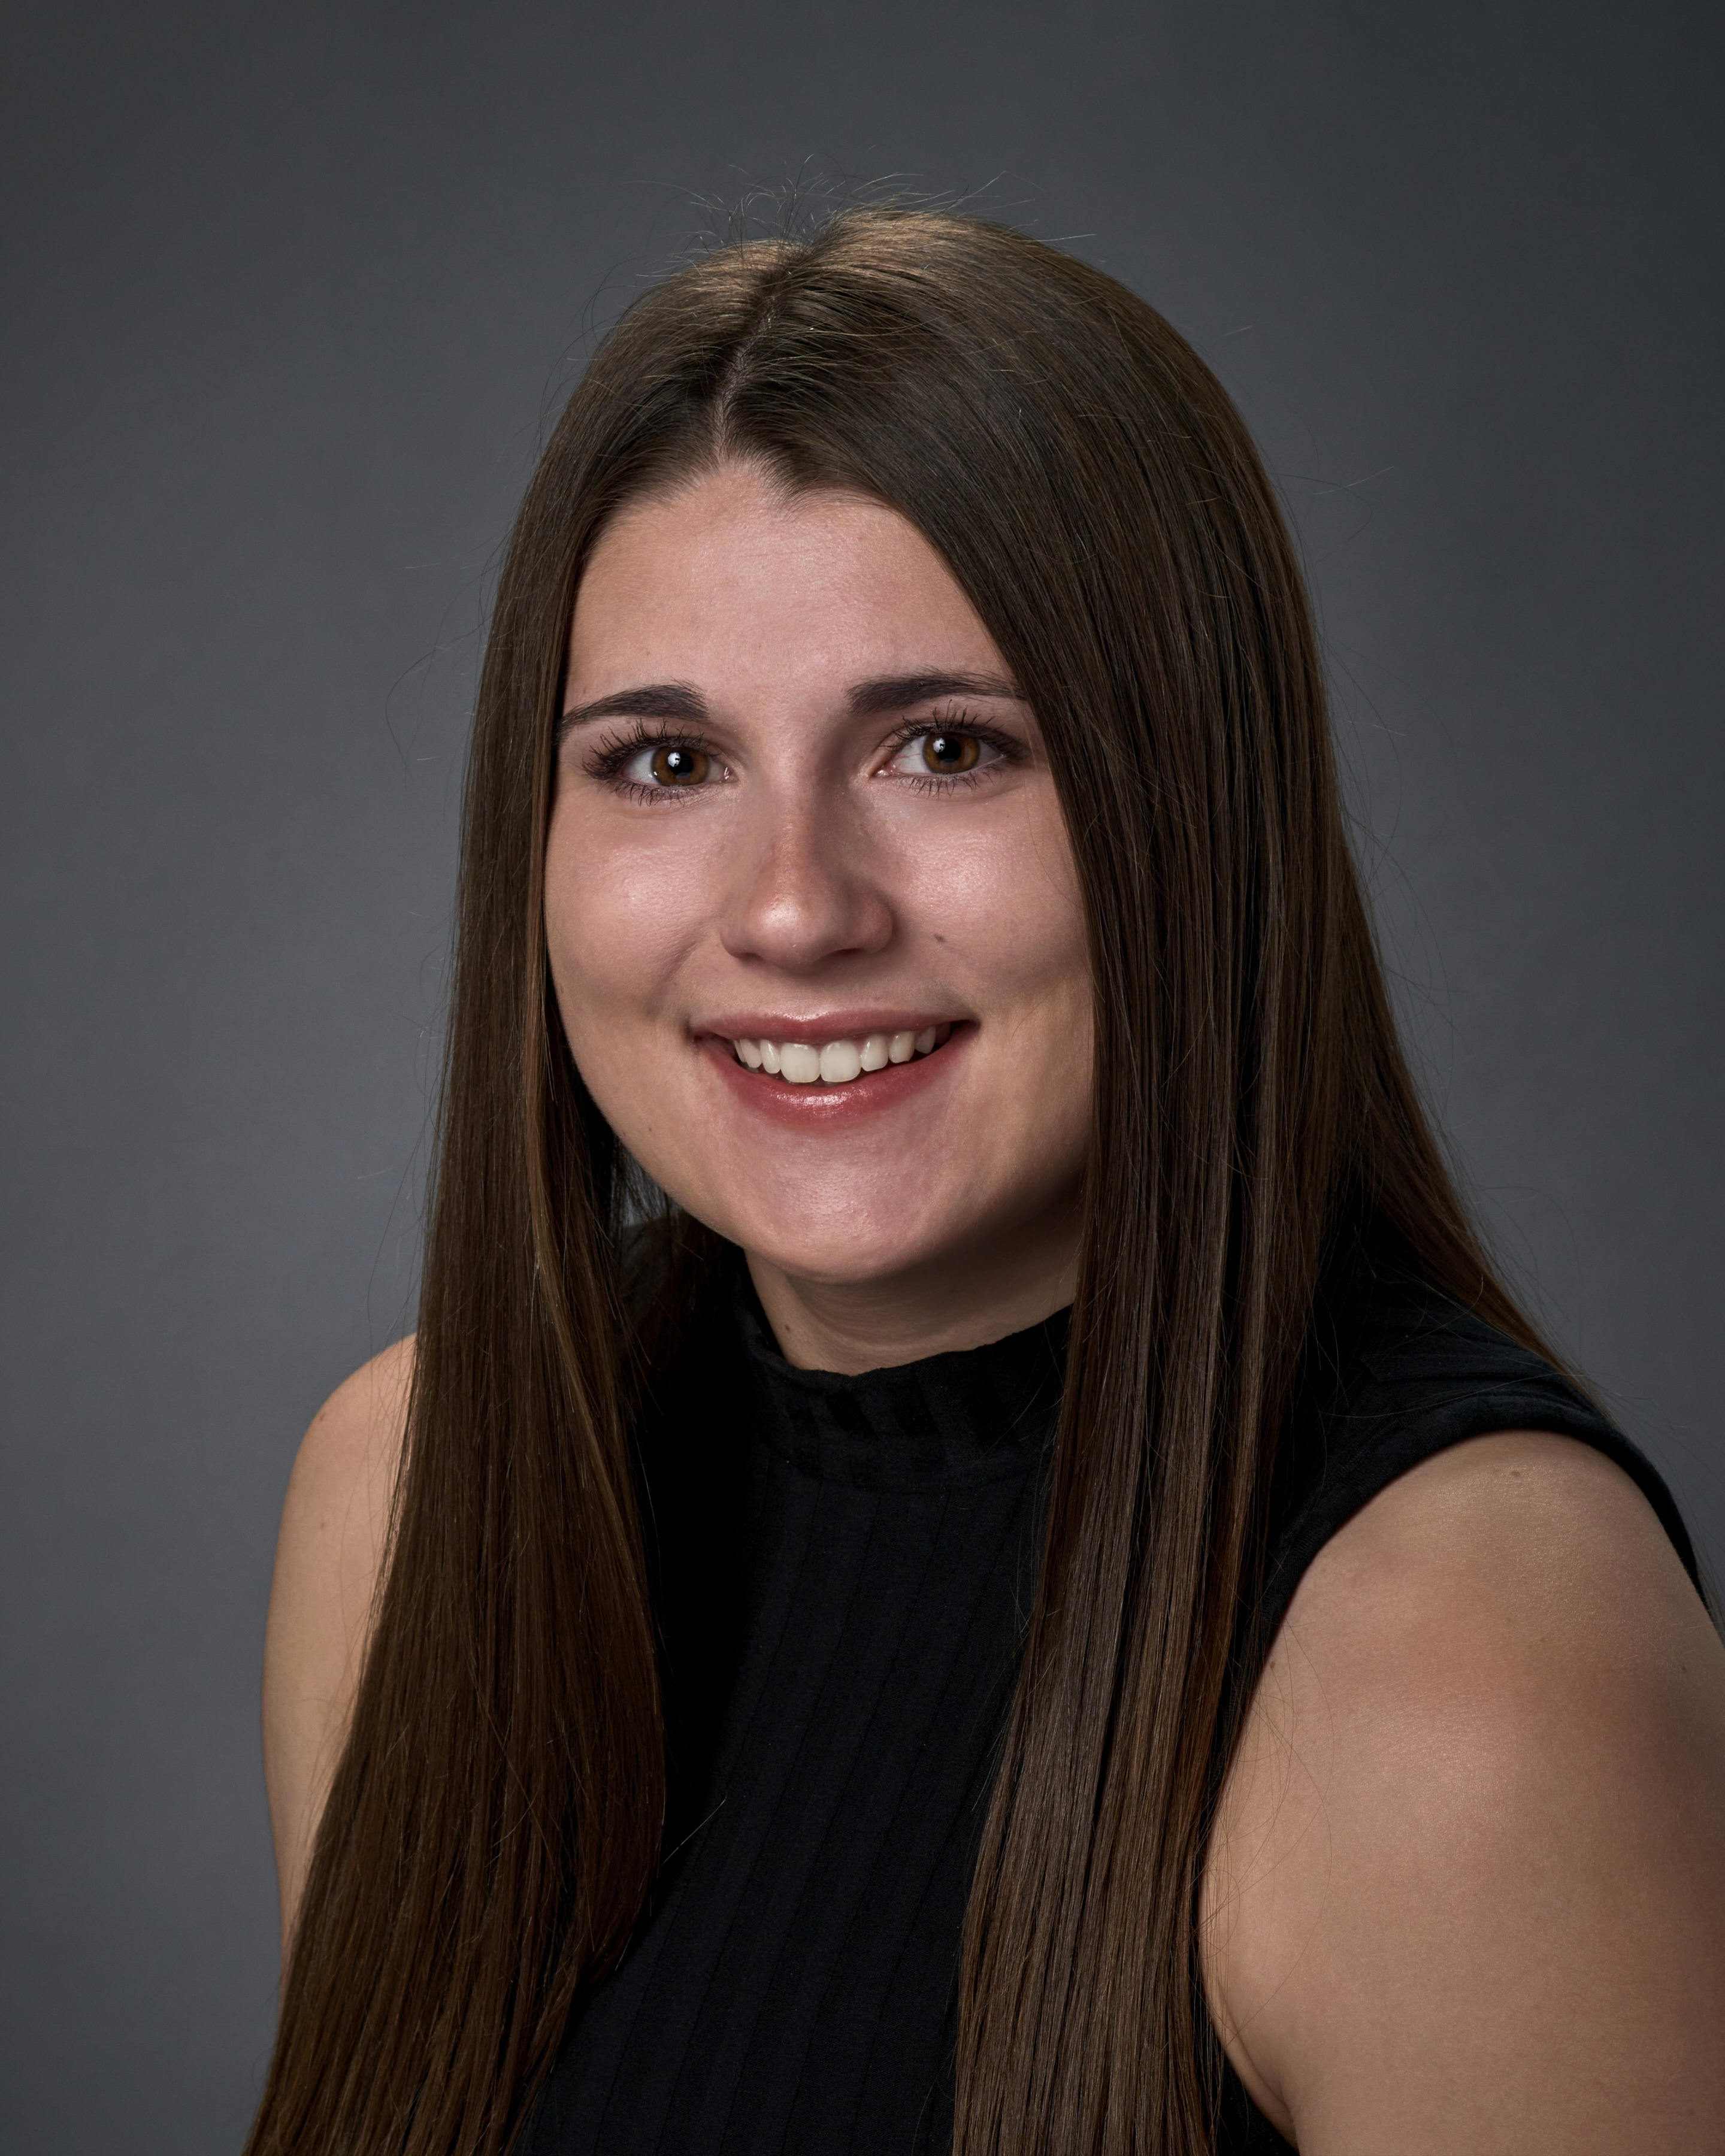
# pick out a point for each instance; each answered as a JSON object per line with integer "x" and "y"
{"x": 291, "y": 291}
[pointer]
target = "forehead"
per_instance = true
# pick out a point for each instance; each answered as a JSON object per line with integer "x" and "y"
{"x": 731, "y": 575}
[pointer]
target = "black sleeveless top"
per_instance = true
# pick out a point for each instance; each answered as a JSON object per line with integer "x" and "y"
{"x": 845, "y": 1565}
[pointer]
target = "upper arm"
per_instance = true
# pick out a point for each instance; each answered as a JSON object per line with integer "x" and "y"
{"x": 334, "y": 1528}
{"x": 1467, "y": 1886}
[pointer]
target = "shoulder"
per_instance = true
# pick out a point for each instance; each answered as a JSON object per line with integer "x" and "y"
{"x": 1467, "y": 1883}
{"x": 335, "y": 1527}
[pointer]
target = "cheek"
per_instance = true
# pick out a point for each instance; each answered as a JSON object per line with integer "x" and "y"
{"x": 615, "y": 926}
{"x": 1008, "y": 907}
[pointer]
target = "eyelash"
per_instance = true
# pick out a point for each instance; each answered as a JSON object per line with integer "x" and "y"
{"x": 952, "y": 723}
{"x": 606, "y": 761}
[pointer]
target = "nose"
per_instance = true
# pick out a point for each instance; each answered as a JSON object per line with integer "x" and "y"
{"x": 807, "y": 889}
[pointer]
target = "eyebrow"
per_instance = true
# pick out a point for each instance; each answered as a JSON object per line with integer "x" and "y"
{"x": 886, "y": 692}
{"x": 897, "y": 692}
{"x": 657, "y": 700}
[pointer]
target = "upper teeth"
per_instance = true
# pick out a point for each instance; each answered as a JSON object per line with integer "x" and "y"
{"x": 840, "y": 1060}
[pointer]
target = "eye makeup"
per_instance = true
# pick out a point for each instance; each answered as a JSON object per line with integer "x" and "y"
{"x": 690, "y": 763}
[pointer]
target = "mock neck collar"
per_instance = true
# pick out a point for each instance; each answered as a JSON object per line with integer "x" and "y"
{"x": 981, "y": 1414}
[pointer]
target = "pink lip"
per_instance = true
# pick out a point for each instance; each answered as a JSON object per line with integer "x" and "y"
{"x": 827, "y": 1026}
{"x": 832, "y": 1107}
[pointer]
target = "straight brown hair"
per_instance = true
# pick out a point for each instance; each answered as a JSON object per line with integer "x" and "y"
{"x": 493, "y": 1829}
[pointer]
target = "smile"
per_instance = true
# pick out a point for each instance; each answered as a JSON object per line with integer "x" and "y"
{"x": 837, "y": 1062}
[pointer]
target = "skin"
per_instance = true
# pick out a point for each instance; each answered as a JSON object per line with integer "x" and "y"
{"x": 1467, "y": 1889}
{"x": 819, "y": 875}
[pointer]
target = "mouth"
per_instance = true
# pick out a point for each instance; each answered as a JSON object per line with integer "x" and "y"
{"x": 841, "y": 1062}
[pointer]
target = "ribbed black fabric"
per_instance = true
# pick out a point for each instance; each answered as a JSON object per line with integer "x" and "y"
{"x": 845, "y": 1565}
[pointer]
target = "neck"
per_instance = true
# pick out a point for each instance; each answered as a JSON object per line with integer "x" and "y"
{"x": 956, "y": 1301}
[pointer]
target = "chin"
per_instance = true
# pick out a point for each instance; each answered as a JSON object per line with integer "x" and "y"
{"x": 847, "y": 1258}
{"x": 890, "y": 1235}
{"x": 834, "y": 1263}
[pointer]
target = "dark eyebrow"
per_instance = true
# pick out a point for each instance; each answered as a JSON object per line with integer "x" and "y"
{"x": 898, "y": 692}
{"x": 889, "y": 692}
{"x": 659, "y": 700}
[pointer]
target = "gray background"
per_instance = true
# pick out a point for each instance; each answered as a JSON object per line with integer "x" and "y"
{"x": 291, "y": 292}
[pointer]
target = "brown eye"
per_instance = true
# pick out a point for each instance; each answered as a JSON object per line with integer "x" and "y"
{"x": 677, "y": 767}
{"x": 949, "y": 753}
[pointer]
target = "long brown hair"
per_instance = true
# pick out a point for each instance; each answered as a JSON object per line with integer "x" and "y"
{"x": 493, "y": 1829}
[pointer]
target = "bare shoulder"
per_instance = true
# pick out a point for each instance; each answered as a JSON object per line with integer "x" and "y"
{"x": 334, "y": 1528}
{"x": 1467, "y": 1884}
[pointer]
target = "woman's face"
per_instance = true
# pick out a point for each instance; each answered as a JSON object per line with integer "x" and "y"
{"x": 802, "y": 818}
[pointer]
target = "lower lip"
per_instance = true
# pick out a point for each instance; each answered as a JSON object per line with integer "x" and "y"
{"x": 818, "y": 1107}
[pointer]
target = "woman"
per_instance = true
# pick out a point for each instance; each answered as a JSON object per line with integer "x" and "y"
{"x": 970, "y": 1554}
